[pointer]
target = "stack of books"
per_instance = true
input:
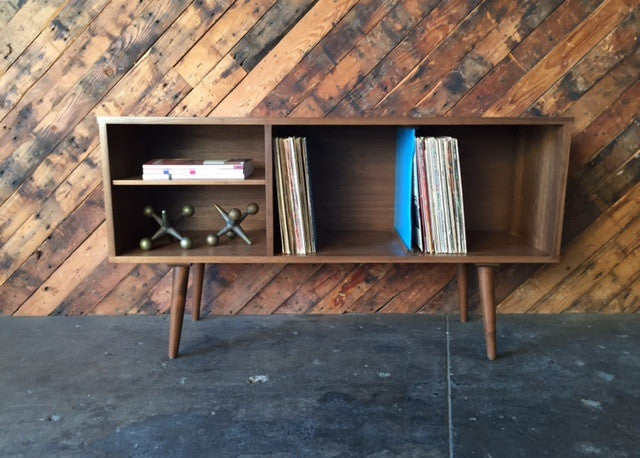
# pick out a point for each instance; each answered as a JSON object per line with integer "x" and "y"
{"x": 196, "y": 169}
{"x": 438, "y": 207}
{"x": 293, "y": 185}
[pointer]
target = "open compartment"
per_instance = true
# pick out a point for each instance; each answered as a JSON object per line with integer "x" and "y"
{"x": 352, "y": 184}
{"x": 131, "y": 145}
{"x": 511, "y": 177}
{"x": 130, "y": 225}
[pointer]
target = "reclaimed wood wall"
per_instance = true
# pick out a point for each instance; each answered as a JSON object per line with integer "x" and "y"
{"x": 62, "y": 62}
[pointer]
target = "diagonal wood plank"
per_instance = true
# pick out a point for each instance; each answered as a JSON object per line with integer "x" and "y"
{"x": 283, "y": 57}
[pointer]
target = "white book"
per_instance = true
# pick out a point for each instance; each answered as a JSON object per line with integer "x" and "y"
{"x": 431, "y": 150}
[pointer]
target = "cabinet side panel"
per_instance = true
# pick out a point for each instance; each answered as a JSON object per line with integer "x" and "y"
{"x": 538, "y": 191}
{"x": 106, "y": 182}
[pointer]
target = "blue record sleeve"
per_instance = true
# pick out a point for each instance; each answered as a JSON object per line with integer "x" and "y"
{"x": 405, "y": 151}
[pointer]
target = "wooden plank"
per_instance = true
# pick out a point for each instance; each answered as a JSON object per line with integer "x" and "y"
{"x": 7, "y": 11}
{"x": 283, "y": 57}
{"x": 583, "y": 206}
{"x": 557, "y": 62}
{"x": 391, "y": 70}
{"x": 619, "y": 183}
{"x": 627, "y": 300}
{"x": 317, "y": 286}
{"x": 42, "y": 92}
{"x": 52, "y": 252}
{"x": 528, "y": 53}
{"x": 220, "y": 39}
{"x": 196, "y": 20}
{"x": 341, "y": 298}
{"x": 605, "y": 56}
{"x": 24, "y": 26}
{"x": 413, "y": 298}
{"x": 364, "y": 55}
{"x": 212, "y": 89}
{"x": 251, "y": 280}
{"x": 269, "y": 30}
{"x": 491, "y": 50}
{"x": 606, "y": 127}
{"x": 437, "y": 64}
{"x": 321, "y": 59}
{"x": 608, "y": 286}
{"x": 17, "y": 249}
{"x": 57, "y": 287}
{"x": 605, "y": 91}
{"x": 279, "y": 289}
{"x": 129, "y": 291}
{"x": 403, "y": 288}
{"x": 590, "y": 271}
{"x": 46, "y": 49}
{"x": 610, "y": 159}
{"x": 83, "y": 295}
{"x": 582, "y": 248}
{"x": 98, "y": 80}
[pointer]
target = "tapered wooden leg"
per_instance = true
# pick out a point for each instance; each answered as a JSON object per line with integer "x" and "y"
{"x": 198, "y": 278}
{"x": 178, "y": 296}
{"x": 463, "y": 294}
{"x": 486, "y": 279}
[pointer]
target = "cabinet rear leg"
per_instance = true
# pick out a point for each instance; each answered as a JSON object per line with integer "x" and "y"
{"x": 486, "y": 279}
{"x": 198, "y": 278}
{"x": 463, "y": 292}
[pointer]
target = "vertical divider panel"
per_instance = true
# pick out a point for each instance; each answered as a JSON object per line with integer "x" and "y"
{"x": 269, "y": 201}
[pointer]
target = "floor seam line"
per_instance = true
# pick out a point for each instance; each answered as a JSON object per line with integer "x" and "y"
{"x": 449, "y": 410}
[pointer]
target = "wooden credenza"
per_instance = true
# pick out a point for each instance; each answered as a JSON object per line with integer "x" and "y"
{"x": 514, "y": 173}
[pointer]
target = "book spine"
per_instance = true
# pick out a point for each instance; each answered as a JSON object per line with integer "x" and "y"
{"x": 460, "y": 199}
{"x": 423, "y": 190}
{"x": 436, "y": 194}
{"x": 453, "y": 230}
{"x": 444, "y": 180}
{"x": 311, "y": 215}
{"x": 294, "y": 185}
{"x": 418, "y": 237}
{"x": 280, "y": 194}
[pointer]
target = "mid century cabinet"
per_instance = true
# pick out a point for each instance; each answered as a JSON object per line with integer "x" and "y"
{"x": 513, "y": 174}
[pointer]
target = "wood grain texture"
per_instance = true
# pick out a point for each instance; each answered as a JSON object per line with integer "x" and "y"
{"x": 62, "y": 62}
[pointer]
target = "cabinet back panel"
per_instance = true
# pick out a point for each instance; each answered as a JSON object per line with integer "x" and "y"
{"x": 133, "y": 225}
{"x": 131, "y": 146}
{"x": 352, "y": 173}
{"x": 486, "y": 162}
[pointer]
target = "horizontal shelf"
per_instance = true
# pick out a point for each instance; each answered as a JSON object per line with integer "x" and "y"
{"x": 256, "y": 179}
{"x": 230, "y": 250}
{"x": 385, "y": 246}
{"x": 344, "y": 247}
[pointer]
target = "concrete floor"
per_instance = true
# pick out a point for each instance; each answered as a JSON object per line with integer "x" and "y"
{"x": 322, "y": 386}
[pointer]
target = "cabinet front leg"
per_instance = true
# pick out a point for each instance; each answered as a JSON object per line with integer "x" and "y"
{"x": 178, "y": 296}
{"x": 198, "y": 278}
{"x": 486, "y": 279}
{"x": 463, "y": 292}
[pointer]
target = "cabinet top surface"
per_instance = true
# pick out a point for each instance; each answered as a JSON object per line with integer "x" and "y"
{"x": 182, "y": 120}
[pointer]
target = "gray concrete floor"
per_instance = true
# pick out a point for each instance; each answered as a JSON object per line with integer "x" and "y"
{"x": 348, "y": 385}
